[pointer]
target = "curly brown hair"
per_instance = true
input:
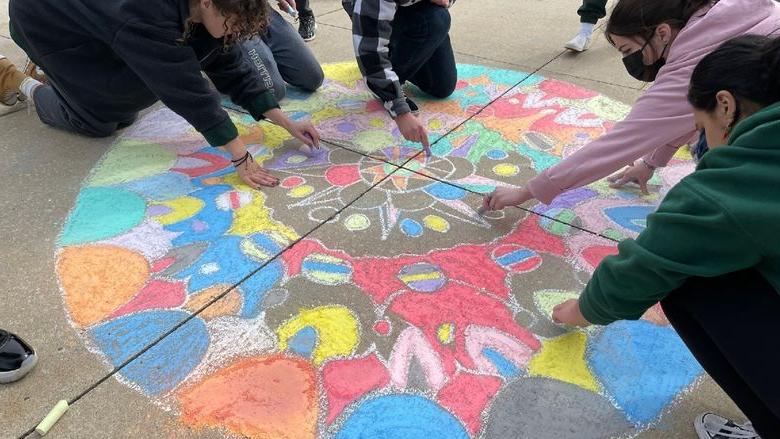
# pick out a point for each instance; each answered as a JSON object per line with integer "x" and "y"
{"x": 249, "y": 18}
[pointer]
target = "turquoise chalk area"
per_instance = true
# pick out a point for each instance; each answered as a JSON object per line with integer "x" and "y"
{"x": 102, "y": 213}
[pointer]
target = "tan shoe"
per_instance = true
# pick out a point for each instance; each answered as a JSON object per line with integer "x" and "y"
{"x": 10, "y": 81}
{"x": 35, "y": 72}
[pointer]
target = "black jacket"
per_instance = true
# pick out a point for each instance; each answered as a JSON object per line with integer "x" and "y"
{"x": 116, "y": 57}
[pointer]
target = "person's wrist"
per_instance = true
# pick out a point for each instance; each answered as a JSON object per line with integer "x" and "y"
{"x": 278, "y": 117}
{"x": 236, "y": 148}
{"x": 403, "y": 116}
{"x": 583, "y": 320}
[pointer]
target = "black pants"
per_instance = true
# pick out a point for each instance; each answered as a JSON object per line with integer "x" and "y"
{"x": 303, "y": 7}
{"x": 59, "y": 106}
{"x": 420, "y": 48}
{"x": 730, "y": 324}
{"x": 592, "y": 11}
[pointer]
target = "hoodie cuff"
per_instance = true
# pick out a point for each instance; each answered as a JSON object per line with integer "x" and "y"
{"x": 543, "y": 189}
{"x": 589, "y": 311}
{"x": 263, "y": 102}
{"x": 397, "y": 107}
{"x": 221, "y": 134}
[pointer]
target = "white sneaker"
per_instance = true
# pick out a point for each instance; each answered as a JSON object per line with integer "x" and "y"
{"x": 579, "y": 43}
{"x": 712, "y": 426}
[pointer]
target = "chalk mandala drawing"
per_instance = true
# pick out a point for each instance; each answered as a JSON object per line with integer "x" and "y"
{"x": 406, "y": 314}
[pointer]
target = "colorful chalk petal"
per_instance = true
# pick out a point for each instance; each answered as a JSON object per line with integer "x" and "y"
{"x": 334, "y": 328}
{"x": 102, "y": 212}
{"x": 632, "y": 218}
{"x": 346, "y": 380}
{"x": 546, "y": 408}
{"x": 563, "y": 359}
{"x": 271, "y": 397}
{"x": 401, "y": 417}
{"x": 91, "y": 297}
{"x": 639, "y": 390}
{"x": 132, "y": 160}
{"x": 168, "y": 362}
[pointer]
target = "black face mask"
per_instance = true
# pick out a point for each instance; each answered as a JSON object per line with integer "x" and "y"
{"x": 636, "y": 67}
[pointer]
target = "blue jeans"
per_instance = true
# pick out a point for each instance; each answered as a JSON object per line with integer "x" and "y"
{"x": 281, "y": 56}
{"x": 421, "y": 51}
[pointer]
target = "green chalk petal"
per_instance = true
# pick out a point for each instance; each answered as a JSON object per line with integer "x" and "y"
{"x": 131, "y": 160}
{"x": 546, "y": 300}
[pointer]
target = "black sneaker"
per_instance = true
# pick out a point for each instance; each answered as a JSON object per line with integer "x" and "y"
{"x": 307, "y": 26}
{"x": 17, "y": 358}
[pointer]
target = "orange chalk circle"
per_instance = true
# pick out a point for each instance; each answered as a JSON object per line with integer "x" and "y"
{"x": 98, "y": 279}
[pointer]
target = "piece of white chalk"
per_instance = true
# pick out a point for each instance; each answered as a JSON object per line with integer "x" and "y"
{"x": 54, "y": 415}
{"x": 291, "y": 10}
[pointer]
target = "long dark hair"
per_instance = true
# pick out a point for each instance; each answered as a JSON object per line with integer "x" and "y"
{"x": 631, "y": 18}
{"x": 748, "y": 66}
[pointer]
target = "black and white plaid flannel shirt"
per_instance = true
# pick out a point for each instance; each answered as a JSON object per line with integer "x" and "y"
{"x": 372, "y": 24}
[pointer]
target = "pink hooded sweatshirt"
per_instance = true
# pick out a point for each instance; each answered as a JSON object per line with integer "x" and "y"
{"x": 662, "y": 115}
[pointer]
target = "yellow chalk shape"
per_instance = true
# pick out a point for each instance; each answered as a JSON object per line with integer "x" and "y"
{"x": 684, "y": 153}
{"x": 563, "y": 359}
{"x": 376, "y": 122}
{"x": 327, "y": 113}
{"x": 54, "y": 415}
{"x": 301, "y": 191}
{"x": 274, "y": 137}
{"x": 435, "y": 124}
{"x": 346, "y": 73}
{"x": 436, "y": 223}
{"x": 409, "y": 278}
{"x": 445, "y": 333}
{"x": 256, "y": 217}
{"x": 181, "y": 209}
{"x": 357, "y": 221}
{"x": 506, "y": 169}
{"x": 336, "y": 326}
